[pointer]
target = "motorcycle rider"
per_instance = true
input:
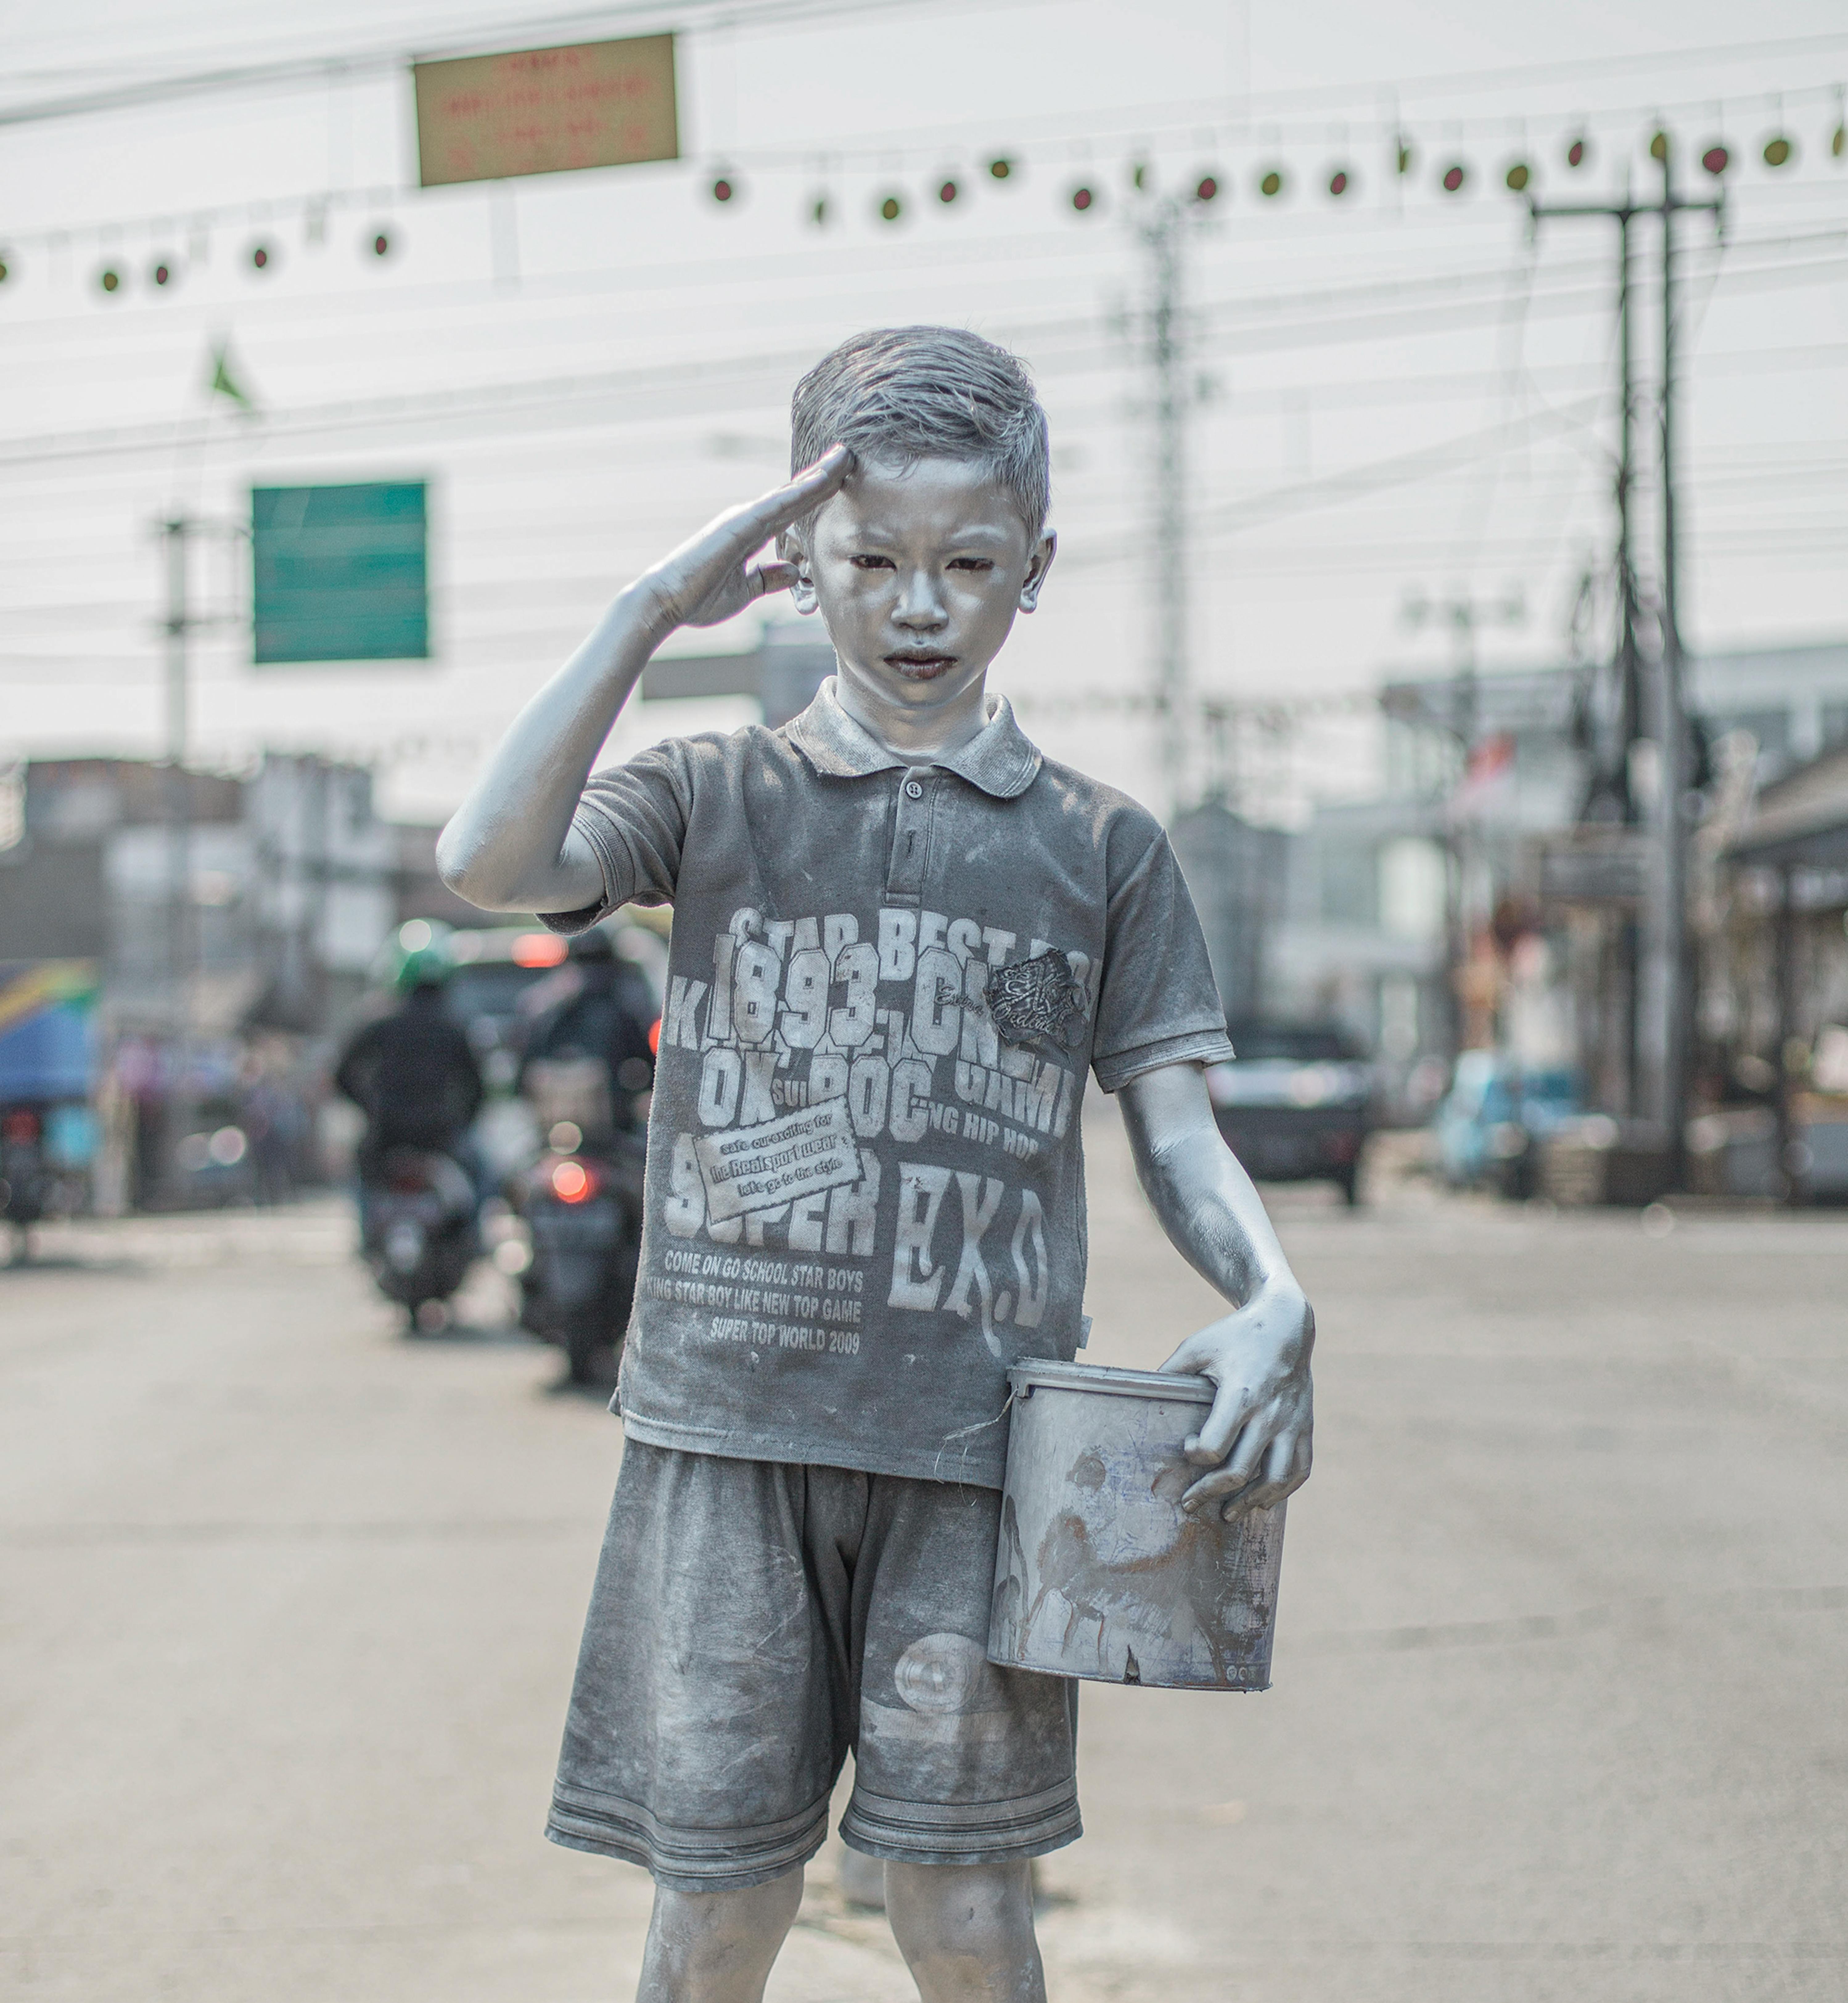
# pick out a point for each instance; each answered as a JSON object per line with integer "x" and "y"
{"x": 597, "y": 1011}
{"x": 412, "y": 1073}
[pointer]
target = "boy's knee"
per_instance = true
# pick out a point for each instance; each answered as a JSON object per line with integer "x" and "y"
{"x": 718, "y": 1945}
{"x": 982, "y": 1909}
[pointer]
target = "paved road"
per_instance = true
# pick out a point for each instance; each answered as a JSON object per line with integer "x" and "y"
{"x": 288, "y": 1607}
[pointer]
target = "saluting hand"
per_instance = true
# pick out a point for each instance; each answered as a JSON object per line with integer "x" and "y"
{"x": 711, "y": 576}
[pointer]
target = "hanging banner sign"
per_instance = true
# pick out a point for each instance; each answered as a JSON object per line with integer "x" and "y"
{"x": 546, "y": 111}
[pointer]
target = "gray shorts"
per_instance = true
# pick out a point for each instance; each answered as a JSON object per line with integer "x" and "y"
{"x": 754, "y": 1621}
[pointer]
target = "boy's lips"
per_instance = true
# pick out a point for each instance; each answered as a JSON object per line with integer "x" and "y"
{"x": 919, "y": 664}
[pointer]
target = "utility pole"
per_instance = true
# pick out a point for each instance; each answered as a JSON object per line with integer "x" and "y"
{"x": 1663, "y": 1039}
{"x": 1677, "y": 773}
{"x": 1161, "y": 230}
{"x": 175, "y": 535}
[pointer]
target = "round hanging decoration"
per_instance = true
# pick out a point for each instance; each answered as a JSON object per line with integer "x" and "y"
{"x": 1083, "y": 199}
{"x": 1339, "y": 182}
{"x": 162, "y": 272}
{"x": 1779, "y": 151}
{"x": 818, "y": 211}
{"x": 1658, "y": 146}
{"x": 1000, "y": 167}
{"x": 262, "y": 257}
{"x": 891, "y": 208}
{"x": 109, "y": 278}
{"x": 1838, "y": 141}
{"x": 1518, "y": 176}
{"x": 1270, "y": 184}
{"x": 947, "y": 193}
{"x": 1207, "y": 188}
{"x": 381, "y": 243}
{"x": 1579, "y": 151}
{"x": 1407, "y": 158}
{"x": 1716, "y": 160}
{"x": 1455, "y": 175}
{"x": 6, "y": 270}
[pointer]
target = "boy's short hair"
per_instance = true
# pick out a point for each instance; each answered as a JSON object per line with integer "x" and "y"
{"x": 911, "y": 393}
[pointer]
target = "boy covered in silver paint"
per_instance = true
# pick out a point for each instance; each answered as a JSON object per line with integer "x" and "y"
{"x": 902, "y": 937}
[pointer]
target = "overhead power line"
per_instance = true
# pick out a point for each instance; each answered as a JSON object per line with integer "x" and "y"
{"x": 1075, "y": 341}
{"x": 1242, "y": 109}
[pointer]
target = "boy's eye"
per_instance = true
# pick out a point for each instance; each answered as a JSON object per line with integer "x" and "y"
{"x": 866, "y": 560}
{"x": 972, "y": 563}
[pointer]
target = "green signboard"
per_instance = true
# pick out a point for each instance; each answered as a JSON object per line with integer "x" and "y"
{"x": 339, "y": 572}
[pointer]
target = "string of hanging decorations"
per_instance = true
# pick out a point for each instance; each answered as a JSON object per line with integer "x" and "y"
{"x": 174, "y": 245}
{"x": 1274, "y": 177}
{"x": 1257, "y": 170}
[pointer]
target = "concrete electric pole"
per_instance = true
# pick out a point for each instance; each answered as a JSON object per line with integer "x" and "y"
{"x": 1162, "y": 232}
{"x": 1665, "y": 1002}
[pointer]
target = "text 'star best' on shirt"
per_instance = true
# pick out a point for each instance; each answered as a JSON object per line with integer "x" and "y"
{"x": 865, "y": 1188}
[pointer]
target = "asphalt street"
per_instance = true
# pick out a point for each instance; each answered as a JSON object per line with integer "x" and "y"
{"x": 288, "y": 1605}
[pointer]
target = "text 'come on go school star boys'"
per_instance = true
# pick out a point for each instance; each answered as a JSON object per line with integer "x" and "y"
{"x": 902, "y": 937}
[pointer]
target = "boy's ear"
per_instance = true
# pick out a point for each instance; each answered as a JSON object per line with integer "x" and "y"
{"x": 1037, "y": 564}
{"x": 792, "y": 546}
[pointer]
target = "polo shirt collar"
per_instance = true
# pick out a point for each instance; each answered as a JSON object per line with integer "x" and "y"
{"x": 1000, "y": 759}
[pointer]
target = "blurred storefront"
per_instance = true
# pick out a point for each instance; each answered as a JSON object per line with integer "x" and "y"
{"x": 232, "y": 919}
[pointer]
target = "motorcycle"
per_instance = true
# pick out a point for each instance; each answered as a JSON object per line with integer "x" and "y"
{"x": 417, "y": 1234}
{"x": 582, "y": 1207}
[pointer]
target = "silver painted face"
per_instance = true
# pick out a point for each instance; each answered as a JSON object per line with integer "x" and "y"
{"x": 917, "y": 572}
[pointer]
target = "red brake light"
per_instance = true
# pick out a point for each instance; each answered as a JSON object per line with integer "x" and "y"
{"x": 539, "y": 949}
{"x": 573, "y": 1183}
{"x": 654, "y": 1037}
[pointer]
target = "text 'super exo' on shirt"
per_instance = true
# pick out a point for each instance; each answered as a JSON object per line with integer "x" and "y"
{"x": 865, "y": 1186}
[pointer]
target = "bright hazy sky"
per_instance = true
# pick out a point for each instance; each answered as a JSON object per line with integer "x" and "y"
{"x": 1401, "y": 394}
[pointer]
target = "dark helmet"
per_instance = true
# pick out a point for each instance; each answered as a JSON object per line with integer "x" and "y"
{"x": 593, "y": 948}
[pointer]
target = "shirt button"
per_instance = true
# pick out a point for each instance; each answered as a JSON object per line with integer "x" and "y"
{"x": 913, "y": 791}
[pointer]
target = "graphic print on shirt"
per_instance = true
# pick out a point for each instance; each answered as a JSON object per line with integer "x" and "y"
{"x": 826, "y": 1060}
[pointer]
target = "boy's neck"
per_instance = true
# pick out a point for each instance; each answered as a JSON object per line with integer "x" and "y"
{"x": 921, "y": 733}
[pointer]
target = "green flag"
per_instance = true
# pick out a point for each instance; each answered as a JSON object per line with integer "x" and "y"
{"x": 224, "y": 383}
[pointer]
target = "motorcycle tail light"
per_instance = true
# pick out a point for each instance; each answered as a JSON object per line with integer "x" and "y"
{"x": 20, "y": 1126}
{"x": 573, "y": 1183}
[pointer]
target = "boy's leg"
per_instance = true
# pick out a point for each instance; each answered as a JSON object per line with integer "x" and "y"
{"x": 716, "y": 1947}
{"x": 966, "y": 1931}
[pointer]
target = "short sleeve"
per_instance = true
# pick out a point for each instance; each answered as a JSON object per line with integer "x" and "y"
{"x": 635, "y": 817}
{"x": 1157, "y": 1002}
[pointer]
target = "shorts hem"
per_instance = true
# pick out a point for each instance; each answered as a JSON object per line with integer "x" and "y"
{"x": 689, "y": 1860}
{"x": 957, "y": 1833}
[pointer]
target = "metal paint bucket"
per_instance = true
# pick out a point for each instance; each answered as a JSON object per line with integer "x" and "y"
{"x": 1099, "y": 1574}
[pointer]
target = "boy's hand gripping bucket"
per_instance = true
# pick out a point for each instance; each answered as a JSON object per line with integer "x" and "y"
{"x": 1099, "y": 1573}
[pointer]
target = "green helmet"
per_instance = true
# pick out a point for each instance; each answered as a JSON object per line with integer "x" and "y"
{"x": 417, "y": 955}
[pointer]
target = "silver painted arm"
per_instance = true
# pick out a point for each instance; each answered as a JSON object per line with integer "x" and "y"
{"x": 510, "y": 846}
{"x": 1257, "y": 1438}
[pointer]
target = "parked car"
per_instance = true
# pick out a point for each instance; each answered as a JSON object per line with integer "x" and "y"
{"x": 1492, "y": 1122}
{"x": 1296, "y": 1105}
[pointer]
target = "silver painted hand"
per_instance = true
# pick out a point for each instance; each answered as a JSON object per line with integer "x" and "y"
{"x": 710, "y": 576}
{"x": 1257, "y": 1438}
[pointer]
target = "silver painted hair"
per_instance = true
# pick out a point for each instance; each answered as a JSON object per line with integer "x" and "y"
{"x": 904, "y": 394}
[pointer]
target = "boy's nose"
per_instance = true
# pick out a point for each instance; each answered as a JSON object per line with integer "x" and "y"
{"x": 918, "y": 603}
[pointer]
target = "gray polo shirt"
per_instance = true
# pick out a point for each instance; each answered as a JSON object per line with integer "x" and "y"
{"x": 865, "y": 1186}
